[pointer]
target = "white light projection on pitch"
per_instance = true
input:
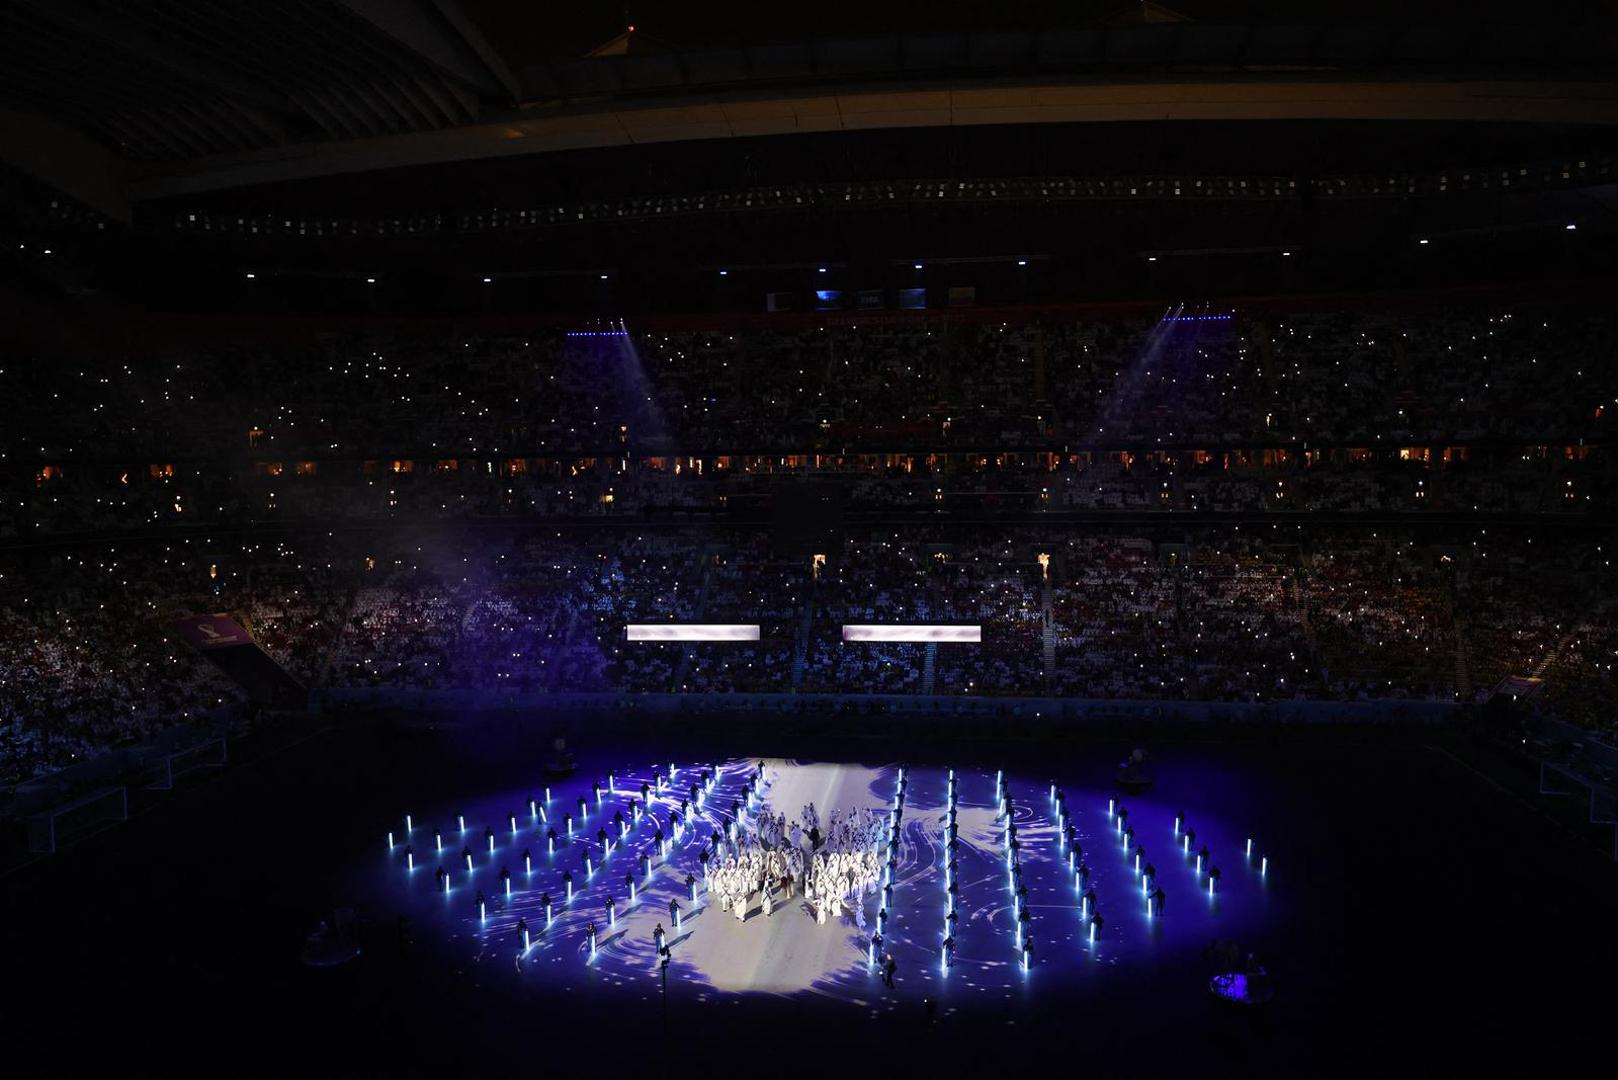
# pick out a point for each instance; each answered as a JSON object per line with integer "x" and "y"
{"x": 527, "y": 887}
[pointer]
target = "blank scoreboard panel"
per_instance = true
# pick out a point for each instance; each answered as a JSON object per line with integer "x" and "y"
{"x": 692, "y": 631}
{"x": 913, "y": 632}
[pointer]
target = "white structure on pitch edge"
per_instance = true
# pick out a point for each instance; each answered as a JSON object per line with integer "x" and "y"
{"x": 913, "y": 632}
{"x": 692, "y": 631}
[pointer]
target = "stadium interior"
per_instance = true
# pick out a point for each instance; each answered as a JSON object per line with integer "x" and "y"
{"x": 976, "y": 417}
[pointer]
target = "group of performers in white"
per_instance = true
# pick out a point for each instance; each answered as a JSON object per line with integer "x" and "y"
{"x": 773, "y": 859}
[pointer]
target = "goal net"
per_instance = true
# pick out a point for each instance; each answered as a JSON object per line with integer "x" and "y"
{"x": 204, "y": 755}
{"x": 61, "y": 825}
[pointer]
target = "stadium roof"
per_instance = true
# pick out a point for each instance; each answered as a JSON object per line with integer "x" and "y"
{"x": 114, "y": 102}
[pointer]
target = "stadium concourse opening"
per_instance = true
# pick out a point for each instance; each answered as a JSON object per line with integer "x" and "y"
{"x": 698, "y": 540}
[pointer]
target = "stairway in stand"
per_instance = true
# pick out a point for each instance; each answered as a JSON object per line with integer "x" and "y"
{"x": 1047, "y": 633}
{"x": 1591, "y": 613}
{"x": 688, "y": 652}
{"x": 1463, "y": 663}
{"x": 1463, "y": 658}
{"x": 800, "y": 651}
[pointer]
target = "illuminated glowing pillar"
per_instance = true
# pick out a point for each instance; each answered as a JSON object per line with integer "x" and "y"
{"x": 592, "y": 941}
{"x": 611, "y": 784}
{"x": 543, "y": 816}
{"x": 527, "y": 940}
{"x": 570, "y": 890}
{"x": 410, "y": 860}
{"x": 547, "y": 795}
{"x": 1111, "y": 806}
{"x": 589, "y": 867}
{"x": 1185, "y": 844}
{"x": 390, "y": 839}
{"x": 469, "y": 862}
{"x": 409, "y": 825}
{"x": 508, "y": 888}
{"x": 1249, "y": 847}
{"x": 547, "y": 912}
{"x": 533, "y": 807}
{"x": 527, "y": 862}
{"x": 438, "y": 838}
{"x": 483, "y": 909}
{"x": 446, "y": 884}
{"x": 1264, "y": 867}
{"x": 1199, "y": 864}
{"x": 513, "y": 822}
{"x": 491, "y": 845}
{"x": 462, "y": 819}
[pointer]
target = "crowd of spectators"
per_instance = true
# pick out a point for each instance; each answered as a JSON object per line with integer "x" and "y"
{"x": 486, "y": 514}
{"x": 1365, "y": 410}
{"x": 88, "y": 659}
